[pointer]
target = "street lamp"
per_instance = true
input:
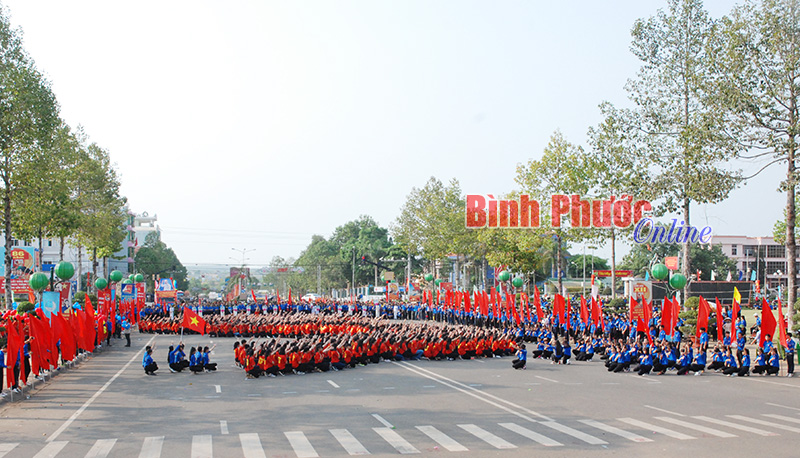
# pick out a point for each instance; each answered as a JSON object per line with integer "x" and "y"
{"x": 244, "y": 252}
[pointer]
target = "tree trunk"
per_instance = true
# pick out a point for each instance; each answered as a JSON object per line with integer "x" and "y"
{"x": 791, "y": 244}
{"x": 7, "y": 229}
{"x": 94, "y": 266}
{"x": 686, "y": 267}
{"x": 40, "y": 261}
{"x": 613, "y": 264}
{"x": 80, "y": 268}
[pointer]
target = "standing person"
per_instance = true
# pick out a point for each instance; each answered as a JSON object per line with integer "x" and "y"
{"x": 522, "y": 358}
{"x": 2, "y": 367}
{"x": 150, "y": 366}
{"x": 126, "y": 328}
{"x": 789, "y": 350}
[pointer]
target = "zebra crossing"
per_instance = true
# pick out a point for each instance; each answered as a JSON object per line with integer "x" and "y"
{"x": 461, "y": 437}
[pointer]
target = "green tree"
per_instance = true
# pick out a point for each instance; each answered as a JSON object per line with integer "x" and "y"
{"x": 685, "y": 136}
{"x": 28, "y": 118}
{"x": 156, "y": 258}
{"x": 576, "y": 265}
{"x": 562, "y": 169}
{"x": 758, "y": 62}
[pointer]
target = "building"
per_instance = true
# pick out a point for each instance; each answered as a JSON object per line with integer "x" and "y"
{"x": 756, "y": 254}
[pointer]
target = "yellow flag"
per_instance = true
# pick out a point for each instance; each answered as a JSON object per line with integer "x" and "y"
{"x": 736, "y": 295}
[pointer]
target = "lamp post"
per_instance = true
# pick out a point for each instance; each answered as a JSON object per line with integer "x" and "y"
{"x": 244, "y": 252}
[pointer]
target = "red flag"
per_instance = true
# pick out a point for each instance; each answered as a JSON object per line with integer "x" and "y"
{"x": 484, "y": 303}
{"x": 494, "y": 303}
{"x": 567, "y": 307}
{"x": 512, "y": 302}
{"x": 648, "y": 313}
{"x": 537, "y": 301}
{"x": 14, "y": 346}
{"x": 193, "y": 321}
{"x": 467, "y": 305}
{"x": 278, "y": 294}
{"x": 290, "y": 295}
{"x": 720, "y": 322}
{"x": 703, "y": 310}
{"x": 734, "y": 316}
{"x": 584, "y": 311}
{"x": 253, "y": 293}
{"x": 66, "y": 335}
{"x": 558, "y": 307}
{"x": 782, "y": 324}
{"x": 666, "y": 315}
{"x": 89, "y": 329}
{"x": 767, "y": 322}
{"x": 595, "y": 311}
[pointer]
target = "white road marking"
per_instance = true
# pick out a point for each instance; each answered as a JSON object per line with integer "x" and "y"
{"x": 644, "y": 379}
{"x": 151, "y": 448}
{"x": 532, "y": 435}
{"x": 333, "y": 384}
{"x": 382, "y": 420}
{"x": 202, "y": 447}
{"x": 223, "y": 427}
{"x": 610, "y": 383}
{"x": 349, "y": 442}
{"x": 5, "y": 448}
{"x": 98, "y": 393}
{"x": 790, "y": 385}
{"x": 394, "y": 439}
{"x": 101, "y": 448}
{"x": 765, "y": 423}
{"x": 388, "y": 388}
{"x": 51, "y": 449}
{"x": 302, "y": 447}
{"x": 546, "y": 379}
{"x": 323, "y": 391}
{"x": 218, "y": 388}
{"x": 729, "y": 424}
{"x": 781, "y": 405}
{"x": 442, "y": 439}
{"x": 614, "y": 430}
{"x": 290, "y": 392}
{"x": 429, "y": 386}
{"x": 469, "y": 393}
{"x": 657, "y": 429}
{"x": 696, "y": 427}
{"x": 486, "y": 436}
{"x": 665, "y": 411}
{"x": 588, "y": 438}
{"x": 782, "y": 417}
{"x": 251, "y": 446}
{"x": 475, "y": 384}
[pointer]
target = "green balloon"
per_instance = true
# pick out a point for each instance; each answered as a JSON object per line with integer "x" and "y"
{"x": 131, "y": 277}
{"x": 65, "y": 270}
{"x": 428, "y": 277}
{"x": 383, "y": 278}
{"x": 517, "y": 282}
{"x": 438, "y": 281}
{"x": 504, "y": 276}
{"x": 677, "y": 281}
{"x": 660, "y": 272}
{"x": 115, "y": 276}
{"x": 127, "y": 281}
{"x": 138, "y": 278}
{"x": 101, "y": 283}
{"x": 38, "y": 281}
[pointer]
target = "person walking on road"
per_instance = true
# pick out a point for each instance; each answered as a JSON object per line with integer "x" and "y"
{"x": 126, "y": 329}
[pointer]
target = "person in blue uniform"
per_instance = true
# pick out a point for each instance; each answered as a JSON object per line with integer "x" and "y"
{"x": 761, "y": 362}
{"x": 150, "y": 366}
{"x": 790, "y": 350}
{"x": 645, "y": 362}
{"x": 773, "y": 362}
{"x": 744, "y": 369}
{"x": 522, "y": 358}
{"x": 731, "y": 366}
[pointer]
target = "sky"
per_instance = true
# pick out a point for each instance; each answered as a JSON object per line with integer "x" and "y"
{"x": 252, "y": 125}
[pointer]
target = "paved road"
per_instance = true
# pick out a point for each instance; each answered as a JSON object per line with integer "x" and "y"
{"x": 470, "y": 408}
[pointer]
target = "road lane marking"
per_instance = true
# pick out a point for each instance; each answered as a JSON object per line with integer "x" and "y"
{"x": 696, "y": 427}
{"x": 442, "y": 439}
{"x": 251, "y": 446}
{"x": 218, "y": 388}
{"x": 223, "y": 427}
{"x": 394, "y": 439}
{"x": 765, "y": 423}
{"x": 350, "y": 444}
{"x": 5, "y": 448}
{"x": 656, "y": 429}
{"x": 781, "y": 405}
{"x": 729, "y": 424}
{"x": 388, "y": 388}
{"x": 486, "y": 436}
{"x": 782, "y": 417}
{"x": 382, "y": 420}
{"x": 532, "y": 435}
{"x": 614, "y": 430}
{"x": 151, "y": 448}
{"x": 299, "y": 442}
{"x": 588, "y": 438}
{"x": 665, "y": 411}
{"x": 644, "y": 379}
{"x": 51, "y": 449}
{"x": 101, "y": 448}
{"x": 202, "y": 447}
{"x": 290, "y": 392}
{"x": 333, "y": 384}
{"x": 546, "y": 379}
{"x": 472, "y": 393}
{"x": 96, "y": 395}
{"x": 429, "y": 386}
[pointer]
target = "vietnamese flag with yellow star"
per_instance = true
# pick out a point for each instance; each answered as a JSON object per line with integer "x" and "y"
{"x": 193, "y": 321}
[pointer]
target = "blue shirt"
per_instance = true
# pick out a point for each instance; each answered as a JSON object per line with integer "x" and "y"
{"x": 523, "y": 355}
{"x": 147, "y": 360}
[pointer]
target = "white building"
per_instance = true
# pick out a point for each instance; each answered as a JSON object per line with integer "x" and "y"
{"x": 761, "y": 254}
